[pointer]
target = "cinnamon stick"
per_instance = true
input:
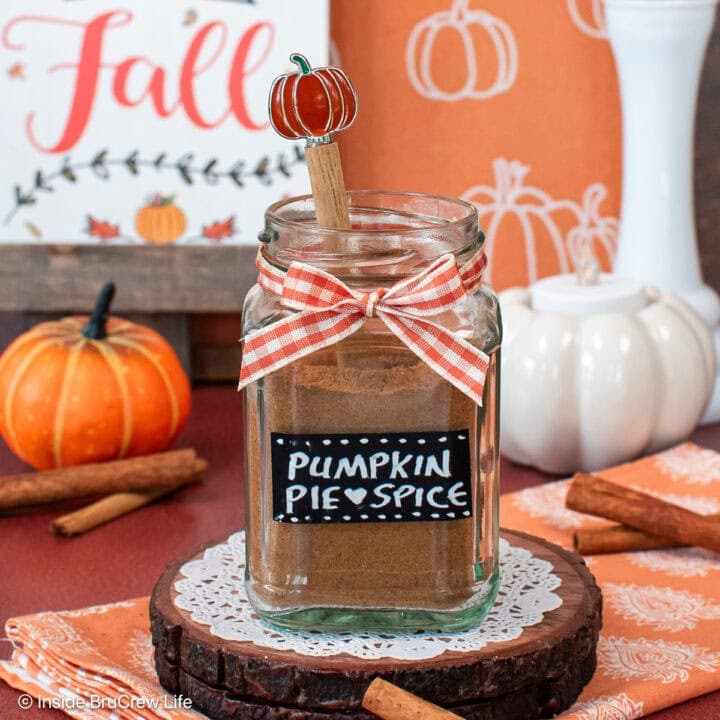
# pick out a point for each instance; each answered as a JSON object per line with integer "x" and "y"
{"x": 139, "y": 473}
{"x": 615, "y": 539}
{"x": 116, "y": 505}
{"x": 392, "y": 703}
{"x": 592, "y": 494}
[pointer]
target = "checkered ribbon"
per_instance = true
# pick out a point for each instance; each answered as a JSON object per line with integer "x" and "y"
{"x": 329, "y": 311}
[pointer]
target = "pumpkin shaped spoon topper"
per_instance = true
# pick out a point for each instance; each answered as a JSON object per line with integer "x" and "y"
{"x": 312, "y": 104}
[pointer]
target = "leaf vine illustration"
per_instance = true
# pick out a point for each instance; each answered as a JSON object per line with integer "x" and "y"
{"x": 210, "y": 171}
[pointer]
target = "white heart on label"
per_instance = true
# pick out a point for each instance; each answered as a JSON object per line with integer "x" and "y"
{"x": 356, "y": 495}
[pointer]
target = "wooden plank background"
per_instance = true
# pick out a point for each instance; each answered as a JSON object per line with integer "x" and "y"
{"x": 161, "y": 278}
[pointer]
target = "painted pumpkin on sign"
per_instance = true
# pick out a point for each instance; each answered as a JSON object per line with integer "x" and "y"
{"x": 471, "y": 29}
{"x": 160, "y": 221}
{"x": 85, "y": 390}
{"x": 312, "y": 102}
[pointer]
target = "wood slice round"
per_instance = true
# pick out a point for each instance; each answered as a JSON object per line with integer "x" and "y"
{"x": 550, "y": 662}
{"x": 529, "y": 703}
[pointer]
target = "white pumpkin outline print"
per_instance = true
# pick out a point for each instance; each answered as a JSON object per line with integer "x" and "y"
{"x": 510, "y": 195}
{"x": 607, "y": 707}
{"x": 662, "y": 608}
{"x": 459, "y": 17}
{"x": 640, "y": 659}
{"x": 597, "y": 27}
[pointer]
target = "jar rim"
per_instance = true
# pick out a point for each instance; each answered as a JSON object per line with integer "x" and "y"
{"x": 471, "y": 215}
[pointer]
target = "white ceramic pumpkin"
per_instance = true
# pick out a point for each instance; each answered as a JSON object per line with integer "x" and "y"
{"x": 588, "y": 392}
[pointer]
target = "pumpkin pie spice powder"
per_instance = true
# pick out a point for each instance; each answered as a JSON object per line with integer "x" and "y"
{"x": 355, "y": 388}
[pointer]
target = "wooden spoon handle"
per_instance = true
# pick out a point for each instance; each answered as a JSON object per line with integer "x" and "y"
{"x": 328, "y": 186}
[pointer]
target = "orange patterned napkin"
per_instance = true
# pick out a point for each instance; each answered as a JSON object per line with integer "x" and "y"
{"x": 660, "y": 642}
{"x": 92, "y": 663}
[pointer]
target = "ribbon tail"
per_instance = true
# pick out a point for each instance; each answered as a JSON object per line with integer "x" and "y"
{"x": 277, "y": 345}
{"x": 451, "y": 357}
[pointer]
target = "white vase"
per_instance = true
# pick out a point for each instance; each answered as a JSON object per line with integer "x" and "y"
{"x": 659, "y": 47}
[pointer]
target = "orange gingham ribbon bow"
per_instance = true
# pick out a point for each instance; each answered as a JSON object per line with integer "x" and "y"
{"x": 329, "y": 311}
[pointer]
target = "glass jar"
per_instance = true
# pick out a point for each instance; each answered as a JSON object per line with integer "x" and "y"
{"x": 371, "y": 481}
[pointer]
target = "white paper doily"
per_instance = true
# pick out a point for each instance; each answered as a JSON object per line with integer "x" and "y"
{"x": 212, "y": 590}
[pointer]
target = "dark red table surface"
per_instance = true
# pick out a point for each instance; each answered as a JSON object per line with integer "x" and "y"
{"x": 124, "y": 558}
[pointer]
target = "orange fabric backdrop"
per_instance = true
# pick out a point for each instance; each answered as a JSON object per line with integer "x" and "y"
{"x": 534, "y": 140}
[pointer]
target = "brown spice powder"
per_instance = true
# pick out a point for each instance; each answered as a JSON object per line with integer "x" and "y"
{"x": 357, "y": 387}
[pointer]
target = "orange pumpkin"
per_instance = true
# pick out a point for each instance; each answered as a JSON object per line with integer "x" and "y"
{"x": 160, "y": 221}
{"x": 83, "y": 390}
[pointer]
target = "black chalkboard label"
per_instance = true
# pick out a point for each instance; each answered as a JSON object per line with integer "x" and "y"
{"x": 371, "y": 477}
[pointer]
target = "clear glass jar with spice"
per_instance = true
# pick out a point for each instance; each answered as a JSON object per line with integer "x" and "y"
{"x": 371, "y": 435}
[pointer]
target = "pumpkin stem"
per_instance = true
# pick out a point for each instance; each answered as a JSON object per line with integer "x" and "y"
{"x": 302, "y": 62}
{"x": 459, "y": 10}
{"x": 96, "y": 328}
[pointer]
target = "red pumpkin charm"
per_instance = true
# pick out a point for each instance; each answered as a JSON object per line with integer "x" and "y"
{"x": 82, "y": 390}
{"x": 313, "y": 102}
